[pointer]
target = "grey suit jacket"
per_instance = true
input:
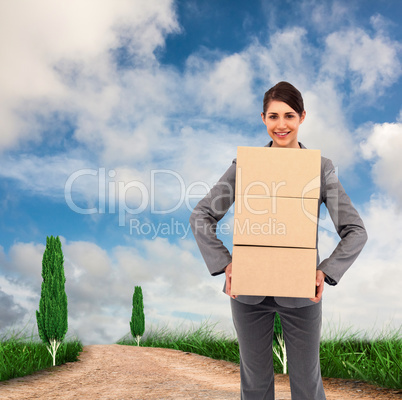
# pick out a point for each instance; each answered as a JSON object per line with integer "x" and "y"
{"x": 346, "y": 219}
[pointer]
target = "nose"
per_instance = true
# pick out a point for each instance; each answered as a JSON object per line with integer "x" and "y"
{"x": 281, "y": 123}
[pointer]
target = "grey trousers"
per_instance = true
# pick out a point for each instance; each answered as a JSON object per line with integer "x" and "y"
{"x": 301, "y": 327}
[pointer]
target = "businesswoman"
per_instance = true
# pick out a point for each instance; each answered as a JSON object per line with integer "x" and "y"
{"x": 253, "y": 316}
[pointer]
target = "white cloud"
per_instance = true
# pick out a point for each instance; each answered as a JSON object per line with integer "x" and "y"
{"x": 11, "y": 313}
{"x": 325, "y": 126}
{"x": 367, "y": 297}
{"x": 382, "y": 148}
{"x": 382, "y": 24}
{"x": 287, "y": 56}
{"x": 26, "y": 261}
{"x": 44, "y": 175}
{"x": 222, "y": 87}
{"x": 125, "y": 122}
{"x": 193, "y": 156}
{"x": 150, "y": 116}
{"x": 47, "y": 50}
{"x": 326, "y": 243}
{"x": 371, "y": 64}
{"x": 327, "y": 15}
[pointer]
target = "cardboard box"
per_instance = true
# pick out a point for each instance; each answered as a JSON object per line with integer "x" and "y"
{"x": 274, "y": 271}
{"x": 275, "y": 222}
{"x": 276, "y": 172}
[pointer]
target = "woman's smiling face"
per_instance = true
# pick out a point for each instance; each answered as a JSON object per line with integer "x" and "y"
{"x": 282, "y": 124}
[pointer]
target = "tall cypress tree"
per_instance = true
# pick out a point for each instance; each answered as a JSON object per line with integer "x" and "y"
{"x": 137, "y": 323}
{"x": 52, "y": 316}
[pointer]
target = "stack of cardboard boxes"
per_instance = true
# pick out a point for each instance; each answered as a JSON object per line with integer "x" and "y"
{"x": 275, "y": 222}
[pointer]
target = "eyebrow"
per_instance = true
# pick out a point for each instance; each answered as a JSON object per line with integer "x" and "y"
{"x": 290, "y": 112}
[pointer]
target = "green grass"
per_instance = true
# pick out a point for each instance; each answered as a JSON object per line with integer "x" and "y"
{"x": 21, "y": 355}
{"x": 377, "y": 361}
{"x": 202, "y": 340}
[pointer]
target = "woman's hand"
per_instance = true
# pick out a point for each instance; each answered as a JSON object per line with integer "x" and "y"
{"x": 228, "y": 273}
{"x": 319, "y": 281}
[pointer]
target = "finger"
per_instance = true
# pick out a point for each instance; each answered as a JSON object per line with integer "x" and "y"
{"x": 316, "y": 299}
{"x": 229, "y": 286}
{"x": 320, "y": 289}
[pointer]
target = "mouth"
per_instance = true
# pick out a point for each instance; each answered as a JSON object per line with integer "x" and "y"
{"x": 282, "y": 134}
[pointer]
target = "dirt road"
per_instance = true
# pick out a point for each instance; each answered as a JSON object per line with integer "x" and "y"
{"x": 125, "y": 372}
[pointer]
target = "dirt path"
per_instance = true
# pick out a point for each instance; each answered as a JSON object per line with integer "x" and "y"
{"x": 124, "y": 372}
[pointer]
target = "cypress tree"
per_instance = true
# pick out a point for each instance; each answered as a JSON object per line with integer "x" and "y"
{"x": 277, "y": 328}
{"x": 137, "y": 323}
{"x": 279, "y": 347}
{"x": 52, "y": 316}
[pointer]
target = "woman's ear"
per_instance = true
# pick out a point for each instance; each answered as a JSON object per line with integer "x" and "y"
{"x": 303, "y": 116}
{"x": 263, "y": 118}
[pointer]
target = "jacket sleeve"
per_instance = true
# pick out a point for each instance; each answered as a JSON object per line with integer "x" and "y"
{"x": 205, "y": 217}
{"x": 347, "y": 223}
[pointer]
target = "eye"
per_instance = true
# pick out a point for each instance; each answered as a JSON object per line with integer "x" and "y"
{"x": 290, "y": 116}
{"x": 272, "y": 117}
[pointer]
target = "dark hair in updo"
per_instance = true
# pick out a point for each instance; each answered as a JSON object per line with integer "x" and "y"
{"x": 284, "y": 91}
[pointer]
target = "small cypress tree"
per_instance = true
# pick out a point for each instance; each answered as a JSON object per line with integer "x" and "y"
{"x": 137, "y": 323}
{"x": 277, "y": 328}
{"x": 279, "y": 341}
{"x": 52, "y": 316}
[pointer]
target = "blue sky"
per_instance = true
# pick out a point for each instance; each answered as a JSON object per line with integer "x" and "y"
{"x": 117, "y": 117}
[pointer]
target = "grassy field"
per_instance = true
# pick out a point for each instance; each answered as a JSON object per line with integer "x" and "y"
{"x": 203, "y": 340}
{"x": 349, "y": 356}
{"x": 22, "y": 355}
{"x": 376, "y": 361}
